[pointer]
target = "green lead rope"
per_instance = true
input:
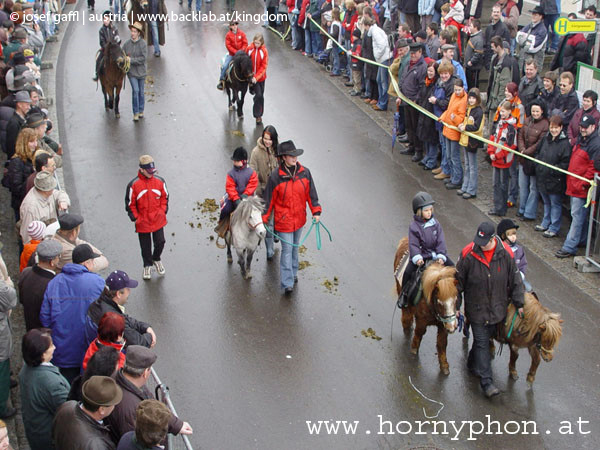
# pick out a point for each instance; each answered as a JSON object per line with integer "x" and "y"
{"x": 512, "y": 324}
{"x": 314, "y": 224}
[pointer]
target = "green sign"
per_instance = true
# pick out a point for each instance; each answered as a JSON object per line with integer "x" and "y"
{"x": 564, "y": 26}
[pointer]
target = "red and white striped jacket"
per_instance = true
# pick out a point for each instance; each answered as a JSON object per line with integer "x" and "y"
{"x": 147, "y": 202}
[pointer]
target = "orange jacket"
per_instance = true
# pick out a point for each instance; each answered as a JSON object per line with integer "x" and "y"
{"x": 458, "y": 107}
{"x": 28, "y": 250}
{"x": 260, "y": 60}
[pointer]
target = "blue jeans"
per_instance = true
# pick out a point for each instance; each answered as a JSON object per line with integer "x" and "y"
{"x": 577, "y": 231}
{"x": 293, "y": 18}
{"x": 198, "y": 4}
{"x": 137, "y": 94}
{"x": 348, "y": 47}
{"x": 445, "y": 165}
{"x": 480, "y": 359}
{"x": 456, "y": 170}
{"x": 431, "y": 152}
{"x": 469, "y": 184}
{"x": 119, "y": 7}
{"x": 269, "y": 244}
{"x": 549, "y": 22}
{"x": 335, "y": 50}
{"x": 382, "y": 86}
{"x": 228, "y": 59}
{"x": 288, "y": 264}
{"x": 317, "y": 42}
{"x": 513, "y": 185}
{"x": 552, "y": 211}
{"x": 307, "y": 42}
{"x": 436, "y": 17}
{"x": 500, "y": 182}
{"x": 528, "y": 194}
{"x": 154, "y": 28}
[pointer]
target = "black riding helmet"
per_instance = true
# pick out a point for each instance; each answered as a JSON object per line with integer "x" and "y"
{"x": 504, "y": 226}
{"x": 421, "y": 200}
{"x": 240, "y": 154}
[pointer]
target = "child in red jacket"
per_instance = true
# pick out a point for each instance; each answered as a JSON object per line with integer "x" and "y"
{"x": 235, "y": 40}
{"x": 504, "y": 133}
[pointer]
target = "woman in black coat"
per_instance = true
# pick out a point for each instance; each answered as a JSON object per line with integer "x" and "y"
{"x": 555, "y": 150}
{"x": 20, "y": 167}
{"x": 426, "y": 130}
{"x": 371, "y": 91}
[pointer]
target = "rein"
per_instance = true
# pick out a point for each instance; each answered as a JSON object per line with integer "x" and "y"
{"x": 253, "y": 227}
{"x": 314, "y": 224}
{"x": 236, "y": 76}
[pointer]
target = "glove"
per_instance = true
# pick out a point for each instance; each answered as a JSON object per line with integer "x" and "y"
{"x": 244, "y": 196}
{"x": 237, "y": 202}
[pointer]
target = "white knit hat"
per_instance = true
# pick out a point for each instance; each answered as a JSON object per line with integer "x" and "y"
{"x": 36, "y": 230}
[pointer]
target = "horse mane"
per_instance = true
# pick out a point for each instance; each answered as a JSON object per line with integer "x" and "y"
{"x": 440, "y": 277}
{"x": 244, "y": 210}
{"x": 537, "y": 315}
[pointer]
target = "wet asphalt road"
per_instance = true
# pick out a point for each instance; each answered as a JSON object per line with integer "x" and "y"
{"x": 246, "y": 366}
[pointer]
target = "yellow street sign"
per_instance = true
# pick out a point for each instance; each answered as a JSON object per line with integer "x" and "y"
{"x": 564, "y": 26}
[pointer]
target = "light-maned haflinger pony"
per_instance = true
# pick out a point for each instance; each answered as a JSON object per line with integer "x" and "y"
{"x": 539, "y": 331}
{"x": 436, "y": 306}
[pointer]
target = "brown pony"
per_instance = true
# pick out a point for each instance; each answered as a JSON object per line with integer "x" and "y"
{"x": 539, "y": 331}
{"x": 112, "y": 75}
{"x": 437, "y": 305}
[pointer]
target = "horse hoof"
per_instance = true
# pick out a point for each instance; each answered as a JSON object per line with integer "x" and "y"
{"x": 117, "y": 116}
{"x": 530, "y": 380}
{"x": 241, "y": 117}
{"x": 230, "y": 260}
{"x": 407, "y": 331}
{"x": 445, "y": 371}
{"x": 414, "y": 351}
{"x": 248, "y": 276}
{"x": 231, "y": 108}
{"x": 514, "y": 376}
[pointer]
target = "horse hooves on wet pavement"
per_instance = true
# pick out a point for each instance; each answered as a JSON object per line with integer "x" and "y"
{"x": 117, "y": 116}
{"x": 445, "y": 371}
{"x": 514, "y": 376}
{"x": 414, "y": 351}
{"x": 231, "y": 108}
{"x": 230, "y": 260}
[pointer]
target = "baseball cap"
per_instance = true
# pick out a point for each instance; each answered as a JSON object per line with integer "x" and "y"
{"x": 119, "y": 280}
{"x": 485, "y": 232}
{"x": 82, "y": 253}
{"x": 147, "y": 163}
{"x": 587, "y": 120}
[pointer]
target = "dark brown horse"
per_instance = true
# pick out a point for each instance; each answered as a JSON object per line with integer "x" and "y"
{"x": 238, "y": 75}
{"x": 112, "y": 75}
{"x": 539, "y": 331}
{"x": 436, "y": 306}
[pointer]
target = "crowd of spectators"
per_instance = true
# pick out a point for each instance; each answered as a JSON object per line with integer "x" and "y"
{"x": 485, "y": 75}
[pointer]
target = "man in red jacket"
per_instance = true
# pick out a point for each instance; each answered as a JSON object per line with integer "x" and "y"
{"x": 288, "y": 190}
{"x": 235, "y": 40}
{"x": 146, "y": 203}
{"x": 585, "y": 162}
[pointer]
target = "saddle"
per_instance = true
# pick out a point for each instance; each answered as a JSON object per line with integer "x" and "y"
{"x": 222, "y": 227}
{"x": 412, "y": 292}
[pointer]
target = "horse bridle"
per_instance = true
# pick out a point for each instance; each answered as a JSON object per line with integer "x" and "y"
{"x": 236, "y": 76}
{"x": 537, "y": 340}
{"x": 253, "y": 227}
{"x": 444, "y": 319}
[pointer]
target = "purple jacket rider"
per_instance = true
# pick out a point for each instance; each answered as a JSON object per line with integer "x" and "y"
{"x": 426, "y": 240}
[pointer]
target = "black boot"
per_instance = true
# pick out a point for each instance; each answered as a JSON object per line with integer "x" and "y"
{"x": 402, "y": 300}
{"x": 418, "y": 156}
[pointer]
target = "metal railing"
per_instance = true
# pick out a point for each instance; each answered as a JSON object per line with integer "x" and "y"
{"x": 592, "y": 249}
{"x": 161, "y": 391}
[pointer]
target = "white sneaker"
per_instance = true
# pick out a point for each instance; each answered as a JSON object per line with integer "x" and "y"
{"x": 147, "y": 273}
{"x": 159, "y": 267}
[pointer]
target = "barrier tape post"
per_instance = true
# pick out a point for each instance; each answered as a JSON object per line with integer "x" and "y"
{"x": 422, "y": 110}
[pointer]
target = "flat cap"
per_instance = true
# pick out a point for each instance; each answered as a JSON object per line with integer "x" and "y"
{"x": 139, "y": 357}
{"x": 48, "y": 249}
{"x": 402, "y": 43}
{"x": 448, "y": 47}
{"x": 69, "y": 221}
{"x": 101, "y": 391}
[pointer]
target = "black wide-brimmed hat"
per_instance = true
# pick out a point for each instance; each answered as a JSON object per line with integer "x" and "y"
{"x": 288, "y": 148}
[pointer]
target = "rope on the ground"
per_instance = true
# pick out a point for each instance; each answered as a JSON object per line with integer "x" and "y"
{"x": 468, "y": 133}
{"x": 426, "y": 398}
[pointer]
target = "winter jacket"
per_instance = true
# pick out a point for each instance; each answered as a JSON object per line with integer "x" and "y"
{"x": 135, "y": 330}
{"x": 37, "y": 207}
{"x": 264, "y": 162}
{"x": 314, "y": 9}
{"x": 408, "y": 6}
{"x": 413, "y": 78}
{"x": 426, "y": 7}
{"x": 147, "y": 203}
{"x": 6, "y": 112}
{"x": 565, "y": 106}
{"x": 458, "y": 108}
{"x": 502, "y": 72}
{"x": 100, "y": 263}
{"x": 505, "y": 133}
{"x": 433, "y": 44}
{"x": 549, "y": 98}
{"x": 28, "y": 250}
{"x": 556, "y": 152}
{"x": 18, "y": 172}
{"x": 494, "y": 29}
{"x": 473, "y": 8}
{"x": 64, "y": 310}
{"x": 585, "y": 153}
{"x": 457, "y": 12}
{"x": 488, "y": 288}
{"x": 122, "y": 419}
{"x": 442, "y": 92}
{"x": 73, "y": 429}
{"x": 533, "y": 37}
{"x": 426, "y": 240}
{"x": 96, "y": 345}
{"x": 302, "y": 19}
{"x": 550, "y": 7}
{"x": 8, "y": 300}
{"x": 129, "y": 442}
{"x": 43, "y": 390}
{"x": 287, "y": 196}
{"x": 13, "y": 127}
{"x": 381, "y": 46}
{"x": 349, "y": 22}
{"x": 426, "y": 128}
{"x": 519, "y": 255}
{"x": 260, "y": 61}
{"x": 510, "y": 13}
{"x": 529, "y": 90}
{"x": 32, "y": 286}
{"x": 573, "y": 131}
{"x": 473, "y": 124}
{"x": 367, "y": 49}
{"x": 474, "y": 52}
{"x": 397, "y": 68}
{"x": 236, "y": 42}
{"x": 137, "y": 52}
{"x": 529, "y": 136}
{"x": 241, "y": 182}
{"x": 106, "y": 34}
{"x": 572, "y": 48}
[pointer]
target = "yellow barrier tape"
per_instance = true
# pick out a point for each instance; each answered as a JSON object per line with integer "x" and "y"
{"x": 282, "y": 36}
{"x": 434, "y": 117}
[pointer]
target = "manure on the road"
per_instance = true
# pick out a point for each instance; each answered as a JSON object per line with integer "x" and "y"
{"x": 303, "y": 265}
{"x": 370, "y": 333}
{"x": 237, "y": 133}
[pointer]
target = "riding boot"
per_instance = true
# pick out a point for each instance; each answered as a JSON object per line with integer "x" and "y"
{"x": 221, "y": 85}
{"x": 402, "y": 299}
